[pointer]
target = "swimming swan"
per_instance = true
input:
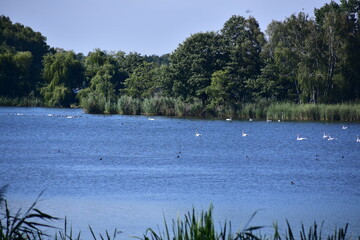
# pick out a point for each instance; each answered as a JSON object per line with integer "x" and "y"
{"x": 197, "y": 134}
{"x": 244, "y": 134}
{"x": 330, "y": 138}
{"x": 300, "y": 138}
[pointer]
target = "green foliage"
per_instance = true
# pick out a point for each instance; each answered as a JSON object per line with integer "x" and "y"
{"x": 313, "y": 112}
{"x": 192, "y": 64}
{"x": 143, "y": 82}
{"x": 93, "y": 103}
{"x": 21, "y": 53}
{"x": 62, "y": 72}
{"x": 128, "y": 106}
{"x": 302, "y": 60}
{"x": 28, "y": 101}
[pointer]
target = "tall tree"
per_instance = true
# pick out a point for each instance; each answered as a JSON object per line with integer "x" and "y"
{"x": 339, "y": 25}
{"x": 241, "y": 45}
{"x": 192, "y": 65}
{"x": 62, "y": 73}
{"x": 143, "y": 82}
{"x": 25, "y": 48}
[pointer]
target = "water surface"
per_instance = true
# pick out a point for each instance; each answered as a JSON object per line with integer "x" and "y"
{"x": 127, "y": 171}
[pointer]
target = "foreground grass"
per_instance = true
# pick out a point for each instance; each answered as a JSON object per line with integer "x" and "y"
{"x": 34, "y": 224}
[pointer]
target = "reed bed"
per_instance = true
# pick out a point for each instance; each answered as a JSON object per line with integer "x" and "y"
{"x": 93, "y": 104}
{"x": 29, "y": 101}
{"x": 314, "y": 112}
{"x": 167, "y": 106}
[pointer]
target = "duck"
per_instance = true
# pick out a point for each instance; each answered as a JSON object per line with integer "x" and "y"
{"x": 300, "y": 138}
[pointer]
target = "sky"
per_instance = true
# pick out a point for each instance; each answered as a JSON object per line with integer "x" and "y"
{"x": 144, "y": 26}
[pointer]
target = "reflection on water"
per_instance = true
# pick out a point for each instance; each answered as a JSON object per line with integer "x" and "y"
{"x": 126, "y": 171}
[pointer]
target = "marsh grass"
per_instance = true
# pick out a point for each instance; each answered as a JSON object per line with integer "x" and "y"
{"x": 314, "y": 112}
{"x": 152, "y": 106}
{"x": 28, "y": 101}
{"x": 128, "y": 106}
{"x": 167, "y": 106}
{"x": 93, "y": 104}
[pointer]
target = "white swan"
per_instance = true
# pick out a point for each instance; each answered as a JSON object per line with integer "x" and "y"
{"x": 358, "y": 139}
{"x": 344, "y": 127}
{"x": 244, "y": 134}
{"x": 197, "y": 134}
{"x": 325, "y": 135}
{"x": 300, "y": 138}
{"x": 250, "y": 120}
{"x": 330, "y": 138}
{"x": 151, "y": 119}
{"x": 229, "y": 119}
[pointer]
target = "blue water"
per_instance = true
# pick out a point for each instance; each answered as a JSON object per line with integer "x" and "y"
{"x": 127, "y": 172}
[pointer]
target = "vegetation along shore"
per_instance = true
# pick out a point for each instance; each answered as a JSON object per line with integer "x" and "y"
{"x": 301, "y": 68}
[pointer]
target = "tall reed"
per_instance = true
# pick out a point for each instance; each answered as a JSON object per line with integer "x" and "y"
{"x": 151, "y": 106}
{"x": 28, "y": 101}
{"x": 93, "y": 104}
{"x": 260, "y": 110}
{"x": 128, "y": 105}
{"x": 314, "y": 112}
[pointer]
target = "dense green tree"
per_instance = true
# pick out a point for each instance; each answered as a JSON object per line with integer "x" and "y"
{"x": 143, "y": 82}
{"x": 129, "y": 62}
{"x": 21, "y": 53}
{"x": 192, "y": 65}
{"x": 8, "y": 78}
{"x": 340, "y": 47}
{"x": 103, "y": 75}
{"x": 159, "y": 60}
{"x": 241, "y": 46}
{"x": 291, "y": 50}
{"x": 62, "y": 73}
{"x": 302, "y": 60}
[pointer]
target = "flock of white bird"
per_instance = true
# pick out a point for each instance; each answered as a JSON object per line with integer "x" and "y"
{"x": 298, "y": 138}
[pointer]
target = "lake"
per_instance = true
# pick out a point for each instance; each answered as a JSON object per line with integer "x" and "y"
{"x": 128, "y": 172}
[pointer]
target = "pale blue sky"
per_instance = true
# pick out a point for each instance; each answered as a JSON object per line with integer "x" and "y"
{"x": 143, "y": 26}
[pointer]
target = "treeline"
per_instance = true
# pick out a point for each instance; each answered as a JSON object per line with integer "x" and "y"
{"x": 299, "y": 60}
